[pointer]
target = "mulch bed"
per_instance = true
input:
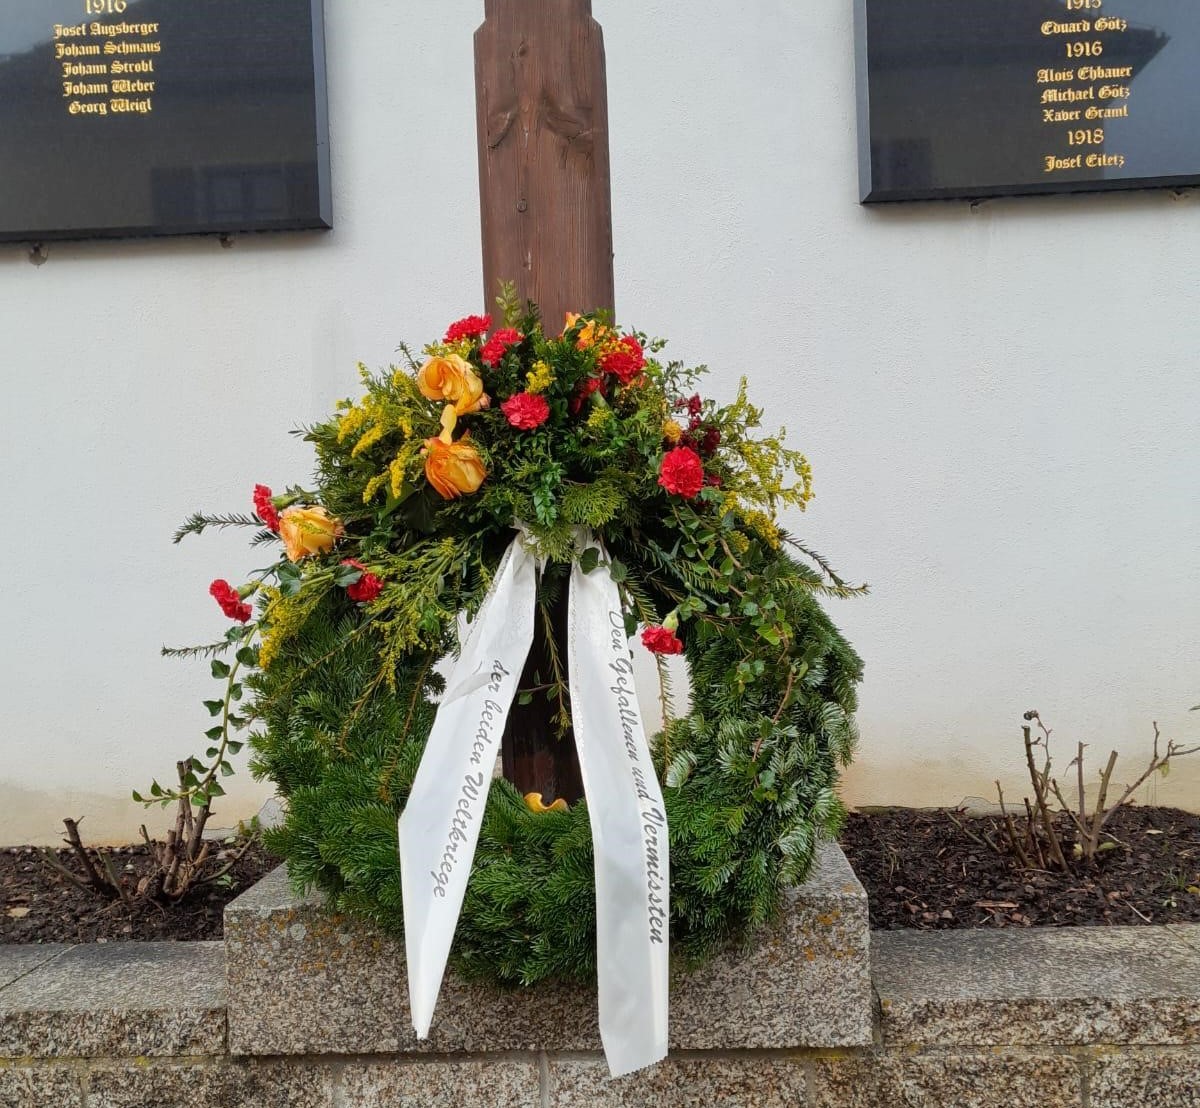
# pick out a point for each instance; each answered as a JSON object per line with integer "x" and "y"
{"x": 37, "y": 905}
{"x": 922, "y": 871}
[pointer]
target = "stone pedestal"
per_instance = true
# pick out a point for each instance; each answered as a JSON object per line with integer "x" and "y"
{"x": 303, "y": 981}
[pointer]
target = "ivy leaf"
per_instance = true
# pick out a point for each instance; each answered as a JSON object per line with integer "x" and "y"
{"x": 618, "y": 571}
{"x": 215, "y": 707}
{"x": 219, "y": 669}
{"x": 248, "y": 656}
{"x": 589, "y": 559}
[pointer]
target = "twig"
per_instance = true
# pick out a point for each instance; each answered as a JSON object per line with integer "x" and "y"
{"x": 49, "y": 858}
{"x": 95, "y": 878}
{"x": 970, "y": 834}
{"x": 1039, "y": 788}
{"x": 1011, "y": 829}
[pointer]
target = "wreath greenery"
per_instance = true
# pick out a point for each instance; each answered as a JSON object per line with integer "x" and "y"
{"x": 403, "y": 531}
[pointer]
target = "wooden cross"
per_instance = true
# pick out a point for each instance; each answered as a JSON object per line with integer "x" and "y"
{"x": 546, "y": 208}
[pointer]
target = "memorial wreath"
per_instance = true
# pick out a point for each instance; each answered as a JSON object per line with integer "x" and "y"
{"x": 611, "y": 462}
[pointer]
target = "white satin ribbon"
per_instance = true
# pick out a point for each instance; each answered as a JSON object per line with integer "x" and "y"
{"x": 439, "y": 829}
{"x": 629, "y": 827}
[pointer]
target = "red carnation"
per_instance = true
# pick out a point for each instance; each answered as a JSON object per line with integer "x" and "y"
{"x": 625, "y": 359}
{"x": 682, "y": 472}
{"x": 525, "y": 411}
{"x": 497, "y": 346}
{"x": 658, "y": 640}
{"x": 712, "y": 439}
{"x": 230, "y": 600}
{"x": 265, "y": 509}
{"x": 694, "y": 404}
{"x": 589, "y": 386}
{"x": 367, "y": 587}
{"x": 470, "y": 328}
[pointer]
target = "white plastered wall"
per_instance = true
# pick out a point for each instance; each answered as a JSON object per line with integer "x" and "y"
{"x": 1000, "y": 402}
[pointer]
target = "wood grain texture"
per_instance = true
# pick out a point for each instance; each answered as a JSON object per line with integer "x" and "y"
{"x": 546, "y": 213}
{"x": 545, "y": 194}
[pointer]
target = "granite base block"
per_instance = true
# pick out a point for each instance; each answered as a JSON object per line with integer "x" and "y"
{"x": 304, "y": 981}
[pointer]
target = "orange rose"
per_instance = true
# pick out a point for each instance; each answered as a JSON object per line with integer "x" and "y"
{"x": 451, "y": 378}
{"x": 590, "y": 334}
{"x": 308, "y": 531}
{"x": 453, "y": 468}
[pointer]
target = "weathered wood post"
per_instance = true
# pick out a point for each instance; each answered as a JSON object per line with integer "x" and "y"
{"x": 546, "y": 209}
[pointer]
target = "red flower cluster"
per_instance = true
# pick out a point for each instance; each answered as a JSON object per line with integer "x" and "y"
{"x": 367, "y": 587}
{"x": 470, "y": 328}
{"x": 625, "y": 359}
{"x": 265, "y": 509}
{"x": 231, "y": 601}
{"x": 589, "y": 386}
{"x": 525, "y": 411}
{"x": 658, "y": 640}
{"x": 682, "y": 472}
{"x": 497, "y": 346}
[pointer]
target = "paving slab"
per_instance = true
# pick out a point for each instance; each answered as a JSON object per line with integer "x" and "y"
{"x": 745, "y": 1082}
{"x": 218, "y": 1084}
{"x": 998, "y": 1079}
{"x": 1147, "y": 1079}
{"x": 18, "y": 960}
{"x": 304, "y": 981}
{"x": 1072, "y": 986}
{"x": 399, "y": 1083}
{"x": 40, "y": 1087}
{"x": 118, "y": 1000}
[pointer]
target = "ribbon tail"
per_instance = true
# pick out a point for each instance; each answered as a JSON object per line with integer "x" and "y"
{"x": 439, "y": 828}
{"x": 629, "y": 828}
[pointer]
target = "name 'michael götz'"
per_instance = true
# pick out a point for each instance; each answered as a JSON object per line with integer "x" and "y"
{"x": 124, "y": 56}
{"x": 1082, "y": 99}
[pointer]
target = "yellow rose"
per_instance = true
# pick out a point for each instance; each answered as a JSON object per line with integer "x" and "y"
{"x": 672, "y": 431}
{"x": 453, "y": 468}
{"x": 534, "y": 802}
{"x": 308, "y": 531}
{"x": 451, "y": 378}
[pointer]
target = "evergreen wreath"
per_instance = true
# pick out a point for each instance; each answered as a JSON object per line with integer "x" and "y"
{"x": 402, "y": 532}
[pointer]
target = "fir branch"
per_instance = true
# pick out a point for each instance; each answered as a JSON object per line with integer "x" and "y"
{"x": 211, "y": 650}
{"x": 839, "y": 587}
{"x": 198, "y": 522}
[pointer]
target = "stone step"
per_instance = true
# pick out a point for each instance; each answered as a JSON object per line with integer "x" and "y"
{"x": 114, "y": 1000}
{"x": 1069, "y": 986}
{"x": 304, "y": 981}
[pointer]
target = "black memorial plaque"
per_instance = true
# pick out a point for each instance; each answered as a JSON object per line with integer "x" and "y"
{"x": 977, "y": 98}
{"x": 161, "y": 117}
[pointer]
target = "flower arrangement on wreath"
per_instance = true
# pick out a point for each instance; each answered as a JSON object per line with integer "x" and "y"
{"x": 329, "y": 667}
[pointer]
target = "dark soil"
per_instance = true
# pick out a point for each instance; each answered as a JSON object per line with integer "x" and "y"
{"x": 921, "y": 871}
{"x": 37, "y": 905}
